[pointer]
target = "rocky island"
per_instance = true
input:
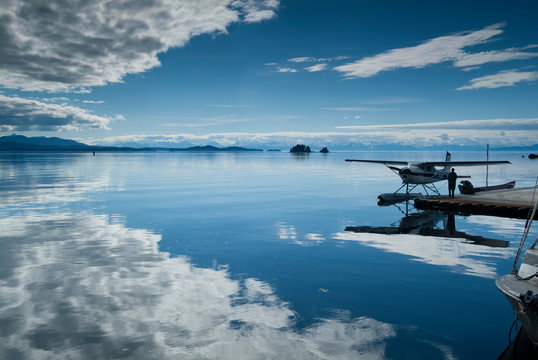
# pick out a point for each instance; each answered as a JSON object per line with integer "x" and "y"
{"x": 300, "y": 148}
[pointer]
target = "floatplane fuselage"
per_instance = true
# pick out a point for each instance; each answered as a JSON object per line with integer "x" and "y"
{"x": 424, "y": 173}
{"x": 420, "y": 173}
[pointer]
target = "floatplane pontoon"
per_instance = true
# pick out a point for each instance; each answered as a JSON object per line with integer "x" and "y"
{"x": 425, "y": 174}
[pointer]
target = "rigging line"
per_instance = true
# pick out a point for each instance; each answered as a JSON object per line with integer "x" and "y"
{"x": 534, "y": 210}
{"x": 526, "y": 231}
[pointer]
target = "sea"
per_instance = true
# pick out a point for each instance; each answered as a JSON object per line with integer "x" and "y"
{"x": 247, "y": 255}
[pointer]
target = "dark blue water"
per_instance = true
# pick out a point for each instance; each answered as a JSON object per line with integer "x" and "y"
{"x": 245, "y": 256}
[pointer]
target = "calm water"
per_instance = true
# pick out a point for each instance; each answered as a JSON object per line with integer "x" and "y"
{"x": 244, "y": 256}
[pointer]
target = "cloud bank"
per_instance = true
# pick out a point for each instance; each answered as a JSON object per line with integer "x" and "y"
{"x": 502, "y": 78}
{"x": 24, "y": 114}
{"x": 501, "y": 132}
{"x": 441, "y": 49}
{"x": 301, "y": 62}
{"x": 493, "y": 124}
{"x": 317, "y": 67}
{"x": 70, "y": 46}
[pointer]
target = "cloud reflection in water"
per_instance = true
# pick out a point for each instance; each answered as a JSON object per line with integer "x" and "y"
{"x": 498, "y": 225}
{"x": 459, "y": 255}
{"x": 80, "y": 286}
{"x": 35, "y": 180}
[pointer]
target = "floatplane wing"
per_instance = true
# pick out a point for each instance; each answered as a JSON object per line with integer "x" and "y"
{"x": 464, "y": 163}
{"x": 433, "y": 163}
{"x": 380, "y": 161}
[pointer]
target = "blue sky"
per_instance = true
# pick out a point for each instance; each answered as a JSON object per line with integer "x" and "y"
{"x": 271, "y": 73}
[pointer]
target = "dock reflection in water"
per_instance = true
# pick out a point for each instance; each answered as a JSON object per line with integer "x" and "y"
{"x": 76, "y": 285}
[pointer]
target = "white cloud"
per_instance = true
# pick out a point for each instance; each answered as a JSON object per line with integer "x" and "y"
{"x": 517, "y": 132}
{"x": 58, "y": 46}
{"x": 531, "y": 124}
{"x": 323, "y": 64}
{"x": 302, "y": 59}
{"x": 285, "y": 70}
{"x": 61, "y": 99}
{"x": 122, "y": 297}
{"x": 358, "y": 108}
{"x": 501, "y": 79}
{"x": 472, "y": 60}
{"x": 317, "y": 67}
{"x": 256, "y": 11}
{"x": 313, "y": 59}
{"x": 23, "y": 114}
{"x": 471, "y": 68}
{"x": 435, "y": 51}
{"x": 338, "y": 58}
{"x": 93, "y": 101}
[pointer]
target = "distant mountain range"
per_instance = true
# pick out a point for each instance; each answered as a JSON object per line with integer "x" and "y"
{"x": 53, "y": 144}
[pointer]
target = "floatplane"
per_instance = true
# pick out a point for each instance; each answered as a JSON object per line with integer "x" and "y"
{"x": 423, "y": 174}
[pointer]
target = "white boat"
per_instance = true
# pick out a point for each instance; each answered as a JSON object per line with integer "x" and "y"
{"x": 521, "y": 286}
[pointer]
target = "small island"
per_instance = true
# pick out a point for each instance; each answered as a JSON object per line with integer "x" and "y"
{"x": 324, "y": 150}
{"x": 300, "y": 148}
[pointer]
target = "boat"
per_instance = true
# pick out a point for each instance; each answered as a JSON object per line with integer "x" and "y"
{"x": 520, "y": 287}
{"x": 467, "y": 188}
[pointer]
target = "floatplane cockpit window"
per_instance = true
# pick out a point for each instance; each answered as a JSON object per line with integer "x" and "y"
{"x": 426, "y": 167}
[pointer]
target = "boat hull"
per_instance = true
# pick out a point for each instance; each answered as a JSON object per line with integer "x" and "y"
{"x": 515, "y": 287}
{"x": 528, "y": 317}
{"x": 468, "y": 189}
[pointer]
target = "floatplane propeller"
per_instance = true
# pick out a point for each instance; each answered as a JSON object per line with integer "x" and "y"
{"x": 424, "y": 174}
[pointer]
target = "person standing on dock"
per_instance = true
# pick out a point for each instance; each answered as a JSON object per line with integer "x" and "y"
{"x": 452, "y": 176}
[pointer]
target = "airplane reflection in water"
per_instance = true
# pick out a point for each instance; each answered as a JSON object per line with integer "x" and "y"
{"x": 417, "y": 235}
{"x": 425, "y": 223}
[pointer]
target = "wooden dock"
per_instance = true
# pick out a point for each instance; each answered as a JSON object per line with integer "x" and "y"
{"x": 512, "y": 203}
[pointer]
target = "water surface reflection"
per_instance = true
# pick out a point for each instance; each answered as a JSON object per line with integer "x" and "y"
{"x": 78, "y": 285}
{"x": 460, "y": 257}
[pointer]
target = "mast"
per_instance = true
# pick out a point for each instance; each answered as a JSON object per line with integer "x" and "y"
{"x": 487, "y": 167}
